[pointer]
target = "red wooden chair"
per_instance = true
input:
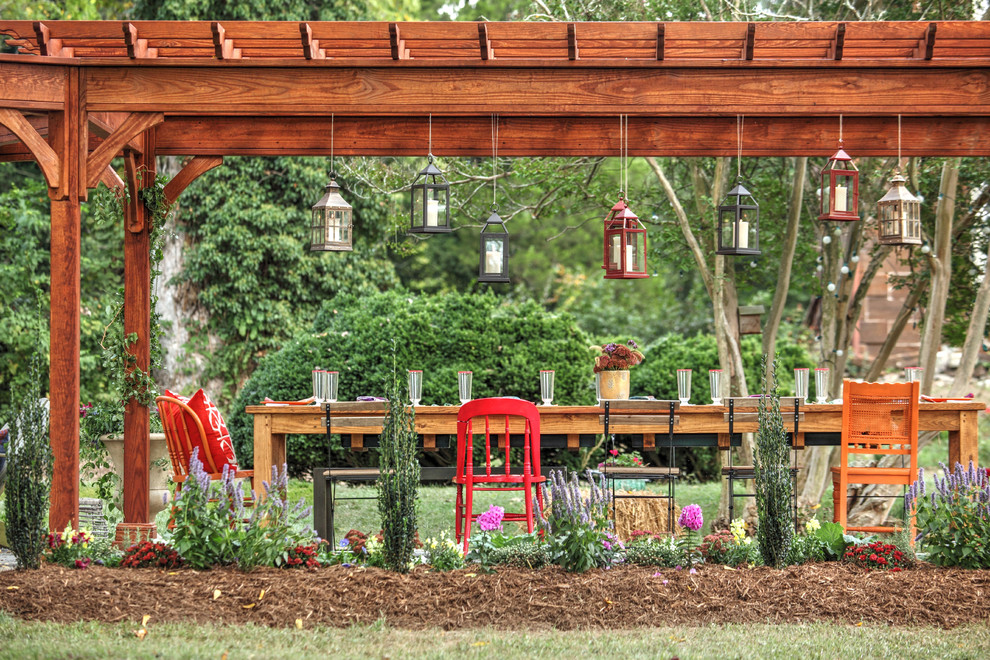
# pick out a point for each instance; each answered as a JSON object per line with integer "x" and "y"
{"x": 184, "y": 432}
{"x": 878, "y": 420}
{"x": 497, "y": 420}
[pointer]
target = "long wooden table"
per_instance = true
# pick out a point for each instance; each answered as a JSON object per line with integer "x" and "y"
{"x": 572, "y": 426}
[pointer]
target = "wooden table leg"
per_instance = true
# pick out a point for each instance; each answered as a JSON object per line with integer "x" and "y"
{"x": 266, "y": 453}
{"x": 964, "y": 443}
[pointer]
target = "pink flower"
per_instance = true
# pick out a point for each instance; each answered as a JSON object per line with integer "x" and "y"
{"x": 492, "y": 519}
{"x": 614, "y": 452}
{"x": 691, "y": 517}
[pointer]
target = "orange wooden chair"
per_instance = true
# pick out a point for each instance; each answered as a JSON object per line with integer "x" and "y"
{"x": 878, "y": 420}
{"x": 184, "y": 432}
{"x": 498, "y": 421}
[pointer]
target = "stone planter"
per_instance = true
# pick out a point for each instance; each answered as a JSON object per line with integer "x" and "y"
{"x": 613, "y": 384}
{"x": 159, "y": 470}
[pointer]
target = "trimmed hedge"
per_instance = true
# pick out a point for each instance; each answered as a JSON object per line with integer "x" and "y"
{"x": 504, "y": 344}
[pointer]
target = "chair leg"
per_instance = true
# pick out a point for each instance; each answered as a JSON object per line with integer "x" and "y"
{"x": 330, "y": 508}
{"x": 468, "y": 514}
{"x": 458, "y": 513}
{"x": 529, "y": 508}
{"x": 732, "y": 499}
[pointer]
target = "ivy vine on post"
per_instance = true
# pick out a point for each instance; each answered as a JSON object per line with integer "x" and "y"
{"x": 128, "y": 380}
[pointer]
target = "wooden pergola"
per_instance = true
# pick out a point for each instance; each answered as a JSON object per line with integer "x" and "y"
{"x": 78, "y": 94}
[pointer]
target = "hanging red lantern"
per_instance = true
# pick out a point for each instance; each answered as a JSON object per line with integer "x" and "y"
{"x": 840, "y": 188}
{"x": 625, "y": 244}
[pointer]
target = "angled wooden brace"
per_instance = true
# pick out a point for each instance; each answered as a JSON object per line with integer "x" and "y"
{"x": 311, "y": 46}
{"x": 222, "y": 46}
{"x": 485, "y": 42}
{"x": 137, "y": 48}
{"x": 190, "y": 172}
{"x": 133, "y": 126}
{"x": 43, "y": 153}
{"x": 396, "y": 43}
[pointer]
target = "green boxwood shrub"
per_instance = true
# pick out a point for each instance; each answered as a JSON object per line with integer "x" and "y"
{"x": 505, "y": 345}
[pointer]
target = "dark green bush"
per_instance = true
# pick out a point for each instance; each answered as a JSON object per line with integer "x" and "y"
{"x": 774, "y": 486}
{"x": 398, "y": 483}
{"x": 505, "y": 345}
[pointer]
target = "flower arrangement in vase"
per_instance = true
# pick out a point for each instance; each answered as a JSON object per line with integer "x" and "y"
{"x": 612, "y": 368}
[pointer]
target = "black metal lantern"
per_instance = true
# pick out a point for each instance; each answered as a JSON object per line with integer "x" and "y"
{"x": 494, "y": 255}
{"x": 624, "y": 255}
{"x": 332, "y": 216}
{"x": 430, "y": 202}
{"x": 839, "y": 189}
{"x": 899, "y": 214}
{"x": 739, "y": 223}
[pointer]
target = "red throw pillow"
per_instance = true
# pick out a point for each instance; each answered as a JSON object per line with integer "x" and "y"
{"x": 217, "y": 436}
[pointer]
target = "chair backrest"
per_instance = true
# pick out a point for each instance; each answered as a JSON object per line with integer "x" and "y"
{"x": 880, "y": 419}
{"x": 496, "y": 418}
{"x": 183, "y": 432}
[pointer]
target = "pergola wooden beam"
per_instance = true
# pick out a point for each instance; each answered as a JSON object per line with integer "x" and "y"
{"x": 556, "y": 136}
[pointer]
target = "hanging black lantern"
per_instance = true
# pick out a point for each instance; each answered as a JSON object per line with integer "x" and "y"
{"x": 739, "y": 223}
{"x": 494, "y": 255}
{"x": 839, "y": 189}
{"x": 430, "y": 202}
{"x": 331, "y": 227}
{"x": 625, "y": 244}
{"x": 899, "y": 215}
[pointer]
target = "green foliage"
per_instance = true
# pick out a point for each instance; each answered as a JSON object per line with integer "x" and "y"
{"x": 664, "y": 552}
{"x": 29, "y": 475}
{"x": 522, "y": 551}
{"x": 576, "y": 529}
{"x": 774, "y": 486}
{"x": 210, "y": 528}
{"x": 398, "y": 482}
{"x": 250, "y": 260}
{"x": 78, "y": 548}
{"x": 953, "y": 521}
{"x": 505, "y": 345}
{"x": 723, "y": 547}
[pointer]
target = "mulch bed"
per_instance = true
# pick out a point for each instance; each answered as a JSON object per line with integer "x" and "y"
{"x": 625, "y": 597}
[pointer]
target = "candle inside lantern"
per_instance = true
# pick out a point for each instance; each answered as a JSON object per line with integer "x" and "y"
{"x": 630, "y": 258}
{"x": 493, "y": 257}
{"x": 432, "y": 206}
{"x": 615, "y": 252}
{"x": 743, "y": 238}
{"x": 840, "y": 199}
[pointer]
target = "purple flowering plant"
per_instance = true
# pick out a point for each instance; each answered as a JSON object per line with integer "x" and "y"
{"x": 953, "y": 520}
{"x": 617, "y": 357}
{"x": 578, "y": 529}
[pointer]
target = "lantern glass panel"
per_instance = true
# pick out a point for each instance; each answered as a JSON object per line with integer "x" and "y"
{"x": 747, "y": 228}
{"x": 636, "y": 252}
{"x": 494, "y": 249}
{"x": 615, "y": 251}
{"x": 727, "y": 220}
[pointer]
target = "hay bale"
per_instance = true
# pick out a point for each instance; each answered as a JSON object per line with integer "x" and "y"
{"x": 651, "y": 515}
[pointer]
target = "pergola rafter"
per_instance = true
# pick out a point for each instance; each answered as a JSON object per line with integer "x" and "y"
{"x": 77, "y": 94}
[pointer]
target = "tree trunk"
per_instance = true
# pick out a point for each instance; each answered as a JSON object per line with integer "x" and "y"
{"x": 786, "y": 258}
{"x": 974, "y": 334}
{"x": 931, "y": 336}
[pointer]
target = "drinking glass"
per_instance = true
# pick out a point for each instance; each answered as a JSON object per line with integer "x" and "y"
{"x": 715, "y": 382}
{"x": 684, "y": 385}
{"x": 821, "y": 385}
{"x": 330, "y": 390}
{"x": 913, "y": 374}
{"x": 464, "y": 386}
{"x": 319, "y": 392}
{"x": 415, "y": 387}
{"x": 801, "y": 383}
{"x": 546, "y": 386}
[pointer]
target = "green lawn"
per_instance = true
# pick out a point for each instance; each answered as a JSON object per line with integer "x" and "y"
{"x": 88, "y": 640}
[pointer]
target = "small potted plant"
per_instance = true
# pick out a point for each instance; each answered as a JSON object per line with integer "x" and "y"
{"x": 612, "y": 368}
{"x": 617, "y": 459}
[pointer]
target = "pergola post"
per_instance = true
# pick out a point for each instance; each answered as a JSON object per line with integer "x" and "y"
{"x": 141, "y": 172}
{"x": 63, "y": 369}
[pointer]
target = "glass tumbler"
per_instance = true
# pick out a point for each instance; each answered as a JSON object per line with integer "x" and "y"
{"x": 821, "y": 385}
{"x": 715, "y": 382}
{"x": 546, "y": 386}
{"x": 913, "y": 374}
{"x": 319, "y": 391}
{"x": 464, "y": 386}
{"x": 415, "y": 387}
{"x": 801, "y": 383}
{"x": 684, "y": 385}
{"x": 330, "y": 379}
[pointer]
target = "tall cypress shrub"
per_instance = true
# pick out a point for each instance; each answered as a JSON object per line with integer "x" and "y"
{"x": 398, "y": 483}
{"x": 29, "y": 475}
{"x": 774, "y": 487}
